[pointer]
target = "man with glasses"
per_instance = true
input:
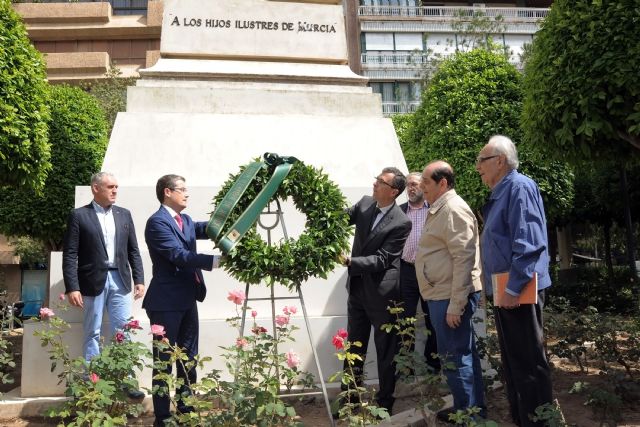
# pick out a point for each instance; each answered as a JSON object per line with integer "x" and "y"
{"x": 374, "y": 272}
{"x": 100, "y": 256}
{"x": 514, "y": 240}
{"x": 177, "y": 283}
{"x": 416, "y": 209}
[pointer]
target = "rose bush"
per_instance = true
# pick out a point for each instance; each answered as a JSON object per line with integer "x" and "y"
{"x": 98, "y": 389}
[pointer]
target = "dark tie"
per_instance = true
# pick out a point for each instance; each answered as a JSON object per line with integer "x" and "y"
{"x": 376, "y": 212}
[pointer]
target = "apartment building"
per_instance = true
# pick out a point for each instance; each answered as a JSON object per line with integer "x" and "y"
{"x": 392, "y": 42}
{"x": 399, "y": 40}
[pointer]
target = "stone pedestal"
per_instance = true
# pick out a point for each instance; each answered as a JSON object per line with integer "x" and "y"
{"x": 218, "y": 98}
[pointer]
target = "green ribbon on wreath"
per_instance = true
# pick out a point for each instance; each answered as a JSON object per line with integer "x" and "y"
{"x": 248, "y": 218}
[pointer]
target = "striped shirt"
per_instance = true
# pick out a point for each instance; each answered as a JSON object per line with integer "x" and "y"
{"x": 418, "y": 217}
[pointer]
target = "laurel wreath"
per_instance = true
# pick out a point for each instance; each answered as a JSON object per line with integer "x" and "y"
{"x": 291, "y": 261}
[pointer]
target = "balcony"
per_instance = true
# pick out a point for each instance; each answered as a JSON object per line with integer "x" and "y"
{"x": 439, "y": 13}
{"x": 388, "y": 74}
{"x": 404, "y": 65}
{"x": 402, "y": 59}
{"x": 402, "y": 26}
{"x": 400, "y": 107}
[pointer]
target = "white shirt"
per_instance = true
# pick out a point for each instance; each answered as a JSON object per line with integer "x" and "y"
{"x": 108, "y": 226}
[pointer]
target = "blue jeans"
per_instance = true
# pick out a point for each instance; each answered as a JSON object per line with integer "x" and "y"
{"x": 458, "y": 347}
{"x": 117, "y": 301}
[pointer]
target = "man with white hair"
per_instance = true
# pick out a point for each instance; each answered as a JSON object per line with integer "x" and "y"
{"x": 514, "y": 240}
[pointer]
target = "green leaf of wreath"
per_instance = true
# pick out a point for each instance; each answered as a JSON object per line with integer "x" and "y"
{"x": 291, "y": 262}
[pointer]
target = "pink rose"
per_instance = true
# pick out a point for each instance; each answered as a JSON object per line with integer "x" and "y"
{"x": 94, "y": 377}
{"x": 339, "y": 338}
{"x": 61, "y": 297}
{"x": 46, "y": 313}
{"x": 132, "y": 324}
{"x": 157, "y": 330}
{"x": 281, "y": 320}
{"x": 254, "y": 313}
{"x": 291, "y": 309}
{"x": 119, "y": 337}
{"x": 237, "y": 297}
{"x": 293, "y": 360}
{"x": 242, "y": 343}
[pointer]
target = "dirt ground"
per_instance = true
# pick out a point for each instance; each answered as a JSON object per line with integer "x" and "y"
{"x": 314, "y": 414}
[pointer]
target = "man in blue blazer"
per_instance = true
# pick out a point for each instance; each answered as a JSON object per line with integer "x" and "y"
{"x": 177, "y": 282}
{"x": 100, "y": 255}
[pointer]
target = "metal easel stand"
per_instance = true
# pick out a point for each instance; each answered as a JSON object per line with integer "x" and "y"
{"x": 280, "y": 220}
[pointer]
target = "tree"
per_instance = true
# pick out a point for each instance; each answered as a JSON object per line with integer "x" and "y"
{"x": 471, "y": 97}
{"x": 24, "y": 149}
{"x": 78, "y": 135}
{"x": 403, "y": 124}
{"x": 582, "y": 91}
{"x": 111, "y": 93}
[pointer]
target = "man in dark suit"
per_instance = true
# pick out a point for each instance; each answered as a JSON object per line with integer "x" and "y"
{"x": 177, "y": 282}
{"x": 416, "y": 210}
{"x": 100, "y": 255}
{"x": 374, "y": 273}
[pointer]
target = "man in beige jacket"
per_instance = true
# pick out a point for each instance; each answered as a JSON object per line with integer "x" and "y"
{"x": 448, "y": 272}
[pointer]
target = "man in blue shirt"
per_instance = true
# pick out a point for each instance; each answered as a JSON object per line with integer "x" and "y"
{"x": 514, "y": 240}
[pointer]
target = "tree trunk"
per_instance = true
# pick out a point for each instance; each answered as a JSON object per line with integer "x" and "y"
{"x": 607, "y": 251}
{"x": 631, "y": 249}
{"x": 564, "y": 246}
{"x": 552, "y": 245}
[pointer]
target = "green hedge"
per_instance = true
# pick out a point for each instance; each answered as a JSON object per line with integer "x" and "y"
{"x": 78, "y": 135}
{"x": 24, "y": 150}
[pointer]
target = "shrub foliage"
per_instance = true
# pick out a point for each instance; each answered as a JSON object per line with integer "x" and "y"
{"x": 471, "y": 97}
{"x": 78, "y": 138}
{"x": 24, "y": 150}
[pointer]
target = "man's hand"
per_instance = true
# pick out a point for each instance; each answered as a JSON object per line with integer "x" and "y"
{"x": 453, "y": 320}
{"x": 509, "y": 301}
{"x": 344, "y": 260}
{"x": 138, "y": 291}
{"x": 75, "y": 299}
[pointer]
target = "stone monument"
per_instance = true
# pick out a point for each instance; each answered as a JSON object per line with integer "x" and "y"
{"x": 236, "y": 79}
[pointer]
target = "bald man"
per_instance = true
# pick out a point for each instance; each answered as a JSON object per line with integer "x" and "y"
{"x": 448, "y": 272}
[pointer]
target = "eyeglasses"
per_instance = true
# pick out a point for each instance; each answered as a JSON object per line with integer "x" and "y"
{"x": 382, "y": 181}
{"x": 481, "y": 159}
{"x": 182, "y": 190}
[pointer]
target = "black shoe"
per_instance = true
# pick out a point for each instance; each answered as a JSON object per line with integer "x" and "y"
{"x": 443, "y": 415}
{"x": 135, "y": 394}
{"x": 185, "y": 409}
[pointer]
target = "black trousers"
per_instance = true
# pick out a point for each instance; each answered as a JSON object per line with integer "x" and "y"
{"x": 524, "y": 362}
{"x": 363, "y": 313}
{"x": 182, "y": 329}
{"x": 410, "y": 297}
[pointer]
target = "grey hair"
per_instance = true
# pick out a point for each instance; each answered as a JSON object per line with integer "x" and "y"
{"x": 97, "y": 178}
{"x": 416, "y": 174}
{"x": 503, "y": 145}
